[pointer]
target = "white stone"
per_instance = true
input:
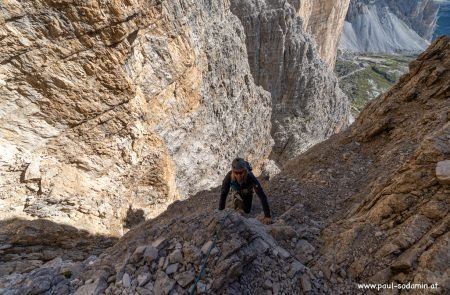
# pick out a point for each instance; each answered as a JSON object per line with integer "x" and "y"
{"x": 7, "y": 153}
{"x": 33, "y": 170}
{"x": 126, "y": 280}
{"x": 443, "y": 172}
{"x": 150, "y": 254}
{"x": 176, "y": 256}
{"x": 201, "y": 288}
{"x": 172, "y": 268}
{"x": 206, "y": 247}
{"x": 143, "y": 278}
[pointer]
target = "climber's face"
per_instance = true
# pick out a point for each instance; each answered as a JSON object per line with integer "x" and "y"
{"x": 239, "y": 174}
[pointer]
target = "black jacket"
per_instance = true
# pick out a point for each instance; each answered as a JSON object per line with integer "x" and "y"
{"x": 244, "y": 189}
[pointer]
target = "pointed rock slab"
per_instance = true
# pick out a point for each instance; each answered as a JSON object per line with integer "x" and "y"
{"x": 281, "y": 252}
{"x": 184, "y": 278}
{"x": 206, "y": 247}
{"x": 126, "y": 281}
{"x": 443, "y": 172}
{"x": 406, "y": 260}
{"x": 172, "y": 268}
{"x": 160, "y": 243}
{"x": 95, "y": 288}
{"x": 306, "y": 283}
{"x": 176, "y": 256}
{"x": 163, "y": 284}
{"x": 33, "y": 171}
{"x": 150, "y": 254}
{"x": 143, "y": 279}
{"x": 138, "y": 254}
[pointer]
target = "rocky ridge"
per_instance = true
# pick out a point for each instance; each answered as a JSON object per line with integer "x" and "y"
{"x": 393, "y": 197}
{"x": 381, "y": 187}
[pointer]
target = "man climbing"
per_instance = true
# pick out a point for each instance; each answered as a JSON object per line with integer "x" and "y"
{"x": 242, "y": 183}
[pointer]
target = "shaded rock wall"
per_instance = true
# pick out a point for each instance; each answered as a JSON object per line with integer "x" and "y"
{"x": 308, "y": 105}
{"x": 111, "y": 105}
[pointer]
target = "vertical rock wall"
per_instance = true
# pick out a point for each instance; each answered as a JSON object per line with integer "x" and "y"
{"x": 324, "y": 19}
{"x": 308, "y": 105}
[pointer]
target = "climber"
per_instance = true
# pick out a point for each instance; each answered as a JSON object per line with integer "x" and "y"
{"x": 242, "y": 183}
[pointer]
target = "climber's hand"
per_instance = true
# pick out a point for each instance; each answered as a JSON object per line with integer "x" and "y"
{"x": 266, "y": 220}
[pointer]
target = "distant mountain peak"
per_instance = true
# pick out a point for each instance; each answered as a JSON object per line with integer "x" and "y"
{"x": 389, "y": 26}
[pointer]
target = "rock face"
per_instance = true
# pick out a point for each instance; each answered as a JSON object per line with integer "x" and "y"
{"x": 389, "y": 26}
{"x": 307, "y": 104}
{"x": 325, "y": 21}
{"x": 122, "y": 105}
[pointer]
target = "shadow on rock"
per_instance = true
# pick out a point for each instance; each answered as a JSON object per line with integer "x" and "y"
{"x": 28, "y": 244}
{"x": 133, "y": 218}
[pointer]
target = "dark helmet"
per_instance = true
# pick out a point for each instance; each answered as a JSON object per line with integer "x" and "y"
{"x": 239, "y": 164}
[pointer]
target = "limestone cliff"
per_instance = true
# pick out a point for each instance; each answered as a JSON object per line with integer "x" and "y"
{"x": 324, "y": 20}
{"x": 110, "y": 106}
{"x": 307, "y": 104}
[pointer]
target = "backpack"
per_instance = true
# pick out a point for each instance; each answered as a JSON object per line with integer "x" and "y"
{"x": 249, "y": 167}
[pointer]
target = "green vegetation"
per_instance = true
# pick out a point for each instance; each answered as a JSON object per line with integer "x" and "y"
{"x": 364, "y": 77}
